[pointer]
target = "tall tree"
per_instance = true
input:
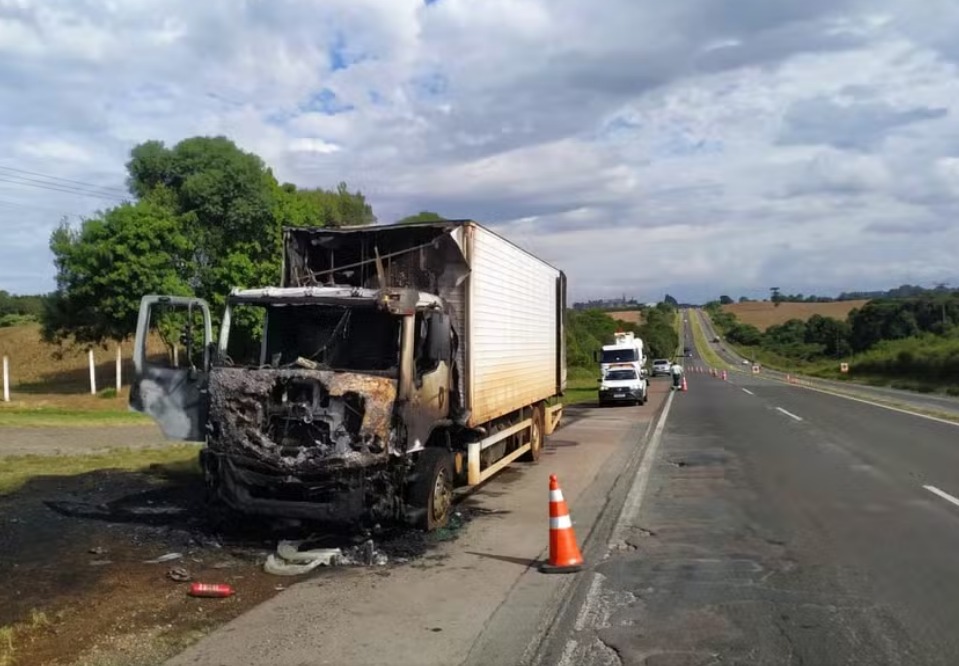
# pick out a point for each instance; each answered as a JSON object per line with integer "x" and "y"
{"x": 207, "y": 217}
{"x": 422, "y": 216}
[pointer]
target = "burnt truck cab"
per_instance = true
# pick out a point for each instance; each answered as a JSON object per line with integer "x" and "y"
{"x": 314, "y": 402}
{"x": 391, "y": 364}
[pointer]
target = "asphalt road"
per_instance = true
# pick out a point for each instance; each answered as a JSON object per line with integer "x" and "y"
{"x": 779, "y": 526}
{"x": 926, "y": 402}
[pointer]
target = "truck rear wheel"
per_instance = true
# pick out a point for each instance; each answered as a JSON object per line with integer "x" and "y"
{"x": 430, "y": 490}
{"x": 536, "y": 435}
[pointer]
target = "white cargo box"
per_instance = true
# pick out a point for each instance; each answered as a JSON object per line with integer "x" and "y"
{"x": 508, "y": 305}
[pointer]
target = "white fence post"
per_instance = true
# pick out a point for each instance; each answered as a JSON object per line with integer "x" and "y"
{"x": 93, "y": 374}
{"x": 6, "y": 379}
{"x": 119, "y": 378}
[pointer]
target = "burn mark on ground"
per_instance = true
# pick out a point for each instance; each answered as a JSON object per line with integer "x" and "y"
{"x": 75, "y": 551}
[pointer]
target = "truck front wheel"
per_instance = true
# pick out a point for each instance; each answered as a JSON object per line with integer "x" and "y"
{"x": 430, "y": 490}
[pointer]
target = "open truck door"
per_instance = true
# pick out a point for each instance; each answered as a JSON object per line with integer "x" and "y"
{"x": 170, "y": 378}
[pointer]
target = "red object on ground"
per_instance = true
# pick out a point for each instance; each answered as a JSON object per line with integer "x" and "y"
{"x": 210, "y": 590}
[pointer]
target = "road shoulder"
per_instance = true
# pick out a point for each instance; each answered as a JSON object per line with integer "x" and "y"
{"x": 479, "y": 598}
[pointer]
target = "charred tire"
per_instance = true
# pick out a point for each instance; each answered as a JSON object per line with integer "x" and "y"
{"x": 430, "y": 490}
{"x": 537, "y": 435}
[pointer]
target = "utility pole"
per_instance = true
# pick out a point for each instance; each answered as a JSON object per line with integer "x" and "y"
{"x": 944, "y": 286}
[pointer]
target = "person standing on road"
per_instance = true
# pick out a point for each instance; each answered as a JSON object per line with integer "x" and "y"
{"x": 676, "y": 370}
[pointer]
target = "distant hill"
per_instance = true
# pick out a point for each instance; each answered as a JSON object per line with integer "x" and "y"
{"x": 902, "y": 291}
{"x": 763, "y": 314}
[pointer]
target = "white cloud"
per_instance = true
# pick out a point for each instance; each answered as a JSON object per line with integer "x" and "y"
{"x": 806, "y": 143}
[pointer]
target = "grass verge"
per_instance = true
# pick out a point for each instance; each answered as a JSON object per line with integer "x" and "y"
{"x": 44, "y": 417}
{"x": 581, "y": 386}
{"x": 168, "y": 461}
{"x": 10, "y": 634}
{"x": 702, "y": 344}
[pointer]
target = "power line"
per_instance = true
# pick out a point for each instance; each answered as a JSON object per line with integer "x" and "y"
{"x": 29, "y": 182}
{"x": 106, "y": 188}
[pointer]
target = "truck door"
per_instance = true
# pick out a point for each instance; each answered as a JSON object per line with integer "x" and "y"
{"x": 171, "y": 359}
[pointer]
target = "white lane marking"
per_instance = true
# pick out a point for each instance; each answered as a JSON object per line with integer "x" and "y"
{"x": 635, "y": 497}
{"x": 944, "y": 495}
{"x": 789, "y": 414}
{"x": 873, "y": 403}
{"x": 748, "y": 391}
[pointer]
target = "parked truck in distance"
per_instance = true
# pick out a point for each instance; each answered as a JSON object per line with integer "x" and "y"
{"x": 392, "y": 364}
{"x": 622, "y": 366}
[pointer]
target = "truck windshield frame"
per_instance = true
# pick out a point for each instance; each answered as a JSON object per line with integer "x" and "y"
{"x": 621, "y": 375}
{"x": 626, "y": 355}
{"x": 345, "y": 338}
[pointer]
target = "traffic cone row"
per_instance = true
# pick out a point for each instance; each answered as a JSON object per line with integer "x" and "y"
{"x": 564, "y": 555}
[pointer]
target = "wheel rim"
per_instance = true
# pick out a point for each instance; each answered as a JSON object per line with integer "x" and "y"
{"x": 536, "y": 435}
{"x": 442, "y": 496}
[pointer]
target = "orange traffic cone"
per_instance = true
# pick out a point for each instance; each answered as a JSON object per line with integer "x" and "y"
{"x": 564, "y": 555}
{"x": 684, "y": 384}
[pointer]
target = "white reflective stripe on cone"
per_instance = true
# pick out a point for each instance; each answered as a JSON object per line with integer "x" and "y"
{"x": 560, "y": 523}
{"x": 556, "y": 496}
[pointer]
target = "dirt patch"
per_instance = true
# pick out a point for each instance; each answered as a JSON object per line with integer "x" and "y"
{"x": 80, "y": 587}
{"x": 762, "y": 315}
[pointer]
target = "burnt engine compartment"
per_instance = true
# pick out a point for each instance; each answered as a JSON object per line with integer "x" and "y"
{"x": 300, "y": 421}
{"x": 302, "y": 413}
{"x": 299, "y": 443}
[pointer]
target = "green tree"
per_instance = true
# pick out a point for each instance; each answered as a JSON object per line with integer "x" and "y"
{"x": 744, "y": 334}
{"x": 422, "y": 216}
{"x": 105, "y": 266}
{"x": 207, "y": 217}
{"x": 725, "y": 300}
{"x": 833, "y": 335}
{"x": 777, "y": 297}
{"x": 658, "y": 333}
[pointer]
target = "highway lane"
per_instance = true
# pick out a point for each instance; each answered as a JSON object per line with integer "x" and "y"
{"x": 926, "y": 402}
{"x": 780, "y": 526}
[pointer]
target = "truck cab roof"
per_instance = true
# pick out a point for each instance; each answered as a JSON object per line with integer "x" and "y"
{"x": 336, "y": 295}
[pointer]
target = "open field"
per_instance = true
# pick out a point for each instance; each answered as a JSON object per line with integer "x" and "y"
{"x": 628, "y": 316}
{"x": 762, "y": 315}
{"x": 50, "y": 385}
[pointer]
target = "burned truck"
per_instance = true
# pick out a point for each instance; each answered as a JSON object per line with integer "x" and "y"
{"x": 392, "y": 365}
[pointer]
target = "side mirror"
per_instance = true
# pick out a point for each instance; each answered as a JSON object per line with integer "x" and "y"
{"x": 438, "y": 340}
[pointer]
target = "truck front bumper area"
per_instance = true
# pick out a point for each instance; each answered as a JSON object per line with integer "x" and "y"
{"x": 341, "y": 498}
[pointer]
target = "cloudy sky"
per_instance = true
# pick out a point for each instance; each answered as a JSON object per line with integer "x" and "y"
{"x": 694, "y": 147}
